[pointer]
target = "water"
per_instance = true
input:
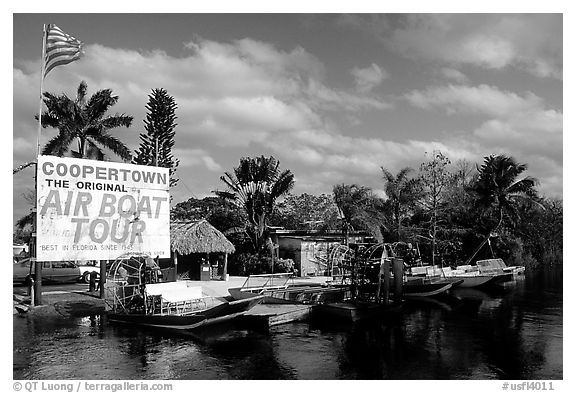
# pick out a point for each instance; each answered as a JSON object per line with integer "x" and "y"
{"x": 514, "y": 332}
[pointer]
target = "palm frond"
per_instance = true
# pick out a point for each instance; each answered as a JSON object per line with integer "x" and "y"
{"x": 225, "y": 195}
{"x": 114, "y": 144}
{"x": 93, "y": 152}
{"x": 99, "y": 104}
{"x": 58, "y": 145}
{"x": 116, "y": 121}
{"x": 283, "y": 185}
{"x": 26, "y": 220}
{"x": 81, "y": 93}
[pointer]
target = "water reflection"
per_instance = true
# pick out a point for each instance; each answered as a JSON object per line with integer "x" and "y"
{"x": 512, "y": 332}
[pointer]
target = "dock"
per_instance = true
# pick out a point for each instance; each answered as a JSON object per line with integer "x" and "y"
{"x": 268, "y": 315}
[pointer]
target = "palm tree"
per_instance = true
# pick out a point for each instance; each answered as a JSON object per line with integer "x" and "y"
{"x": 359, "y": 208}
{"x": 85, "y": 122}
{"x": 499, "y": 190}
{"x": 402, "y": 192}
{"x": 255, "y": 185}
{"x": 24, "y": 225}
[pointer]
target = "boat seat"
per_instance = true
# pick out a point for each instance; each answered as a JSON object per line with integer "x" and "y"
{"x": 446, "y": 271}
{"x": 174, "y": 297}
{"x": 433, "y": 271}
{"x": 418, "y": 270}
{"x": 468, "y": 268}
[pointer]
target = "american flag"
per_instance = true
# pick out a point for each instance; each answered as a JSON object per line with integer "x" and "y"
{"x": 61, "y": 48}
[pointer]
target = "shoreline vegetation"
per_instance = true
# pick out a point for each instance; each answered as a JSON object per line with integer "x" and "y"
{"x": 446, "y": 209}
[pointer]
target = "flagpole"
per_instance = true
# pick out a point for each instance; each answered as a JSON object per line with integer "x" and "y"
{"x": 37, "y": 300}
{"x": 42, "y": 68}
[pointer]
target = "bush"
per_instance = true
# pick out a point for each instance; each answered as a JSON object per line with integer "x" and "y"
{"x": 245, "y": 264}
{"x": 284, "y": 266}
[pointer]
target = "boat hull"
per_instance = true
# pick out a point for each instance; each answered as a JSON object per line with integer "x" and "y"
{"x": 295, "y": 294}
{"x": 217, "y": 314}
{"x": 503, "y": 277}
{"x": 472, "y": 281}
{"x": 515, "y": 270}
{"x": 426, "y": 289}
{"x": 239, "y": 294}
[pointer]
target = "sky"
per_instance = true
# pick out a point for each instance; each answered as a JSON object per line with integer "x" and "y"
{"x": 334, "y": 97}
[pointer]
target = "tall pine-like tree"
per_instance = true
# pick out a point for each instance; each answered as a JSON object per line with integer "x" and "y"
{"x": 156, "y": 145}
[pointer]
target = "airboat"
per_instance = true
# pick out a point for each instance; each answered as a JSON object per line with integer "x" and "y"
{"x": 135, "y": 295}
{"x": 280, "y": 288}
{"x": 414, "y": 286}
{"x": 357, "y": 268}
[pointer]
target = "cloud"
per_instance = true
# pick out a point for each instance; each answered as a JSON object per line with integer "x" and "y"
{"x": 196, "y": 157}
{"x": 248, "y": 97}
{"x": 482, "y": 99}
{"x": 322, "y": 158}
{"x": 376, "y": 24}
{"x": 525, "y": 133}
{"x": 246, "y": 85}
{"x": 22, "y": 145}
{"x": 517, "y": 125}
{"x": 531, "y": 42}
{"x": 229, "y": 94}
{"x": 318, "y": 96}
{"x": 453, "y": 74}
{"x": 359, "y": 156}
{"x": 368, "y": 78}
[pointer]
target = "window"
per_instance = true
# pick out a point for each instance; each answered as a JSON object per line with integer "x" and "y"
{"x": 62, "y": 265}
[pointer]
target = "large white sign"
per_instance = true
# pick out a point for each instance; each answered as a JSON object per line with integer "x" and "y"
{"x": 100, "y": 210}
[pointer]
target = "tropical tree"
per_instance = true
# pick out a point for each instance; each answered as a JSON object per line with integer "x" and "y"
{"x": 359, "y": 208}
{"x": 84, "y": 121}
{"x": 435, "y": 179}
{"x": 500, "y": 192}
{"x": 24, "y": 226}
{"x": 541, "y": 230}
{"x": 255, "y": 185}
{"x": 402, "y": 192}
{"x": 306, "y": 211}
{"x": 156, "y": 145}
{"x": 221, "y": 213}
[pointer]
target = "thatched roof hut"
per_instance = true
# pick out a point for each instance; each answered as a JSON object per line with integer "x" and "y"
{"x": 188, "y": 237}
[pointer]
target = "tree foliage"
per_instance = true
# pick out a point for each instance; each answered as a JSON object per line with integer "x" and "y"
{"x": 306, "y": 211}
{"x": 499, "y": 190}
{"x": 84, "y": 121}
{"x": 402, "y": 192}
{"x": 435, "y": 179}
{"x": 220, "y": 213}
{"x": 359, "y": 208}
{"x": 156, "y": 144}
{"x": 255, "y": 185}
{"x": 500, "y": 194}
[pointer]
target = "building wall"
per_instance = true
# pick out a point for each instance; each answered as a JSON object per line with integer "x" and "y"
{"x": 310, "y": 256}
{"x": 309, "y": 251}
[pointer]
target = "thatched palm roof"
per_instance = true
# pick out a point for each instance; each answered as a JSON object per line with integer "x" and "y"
{"x": 187, "y": 237}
